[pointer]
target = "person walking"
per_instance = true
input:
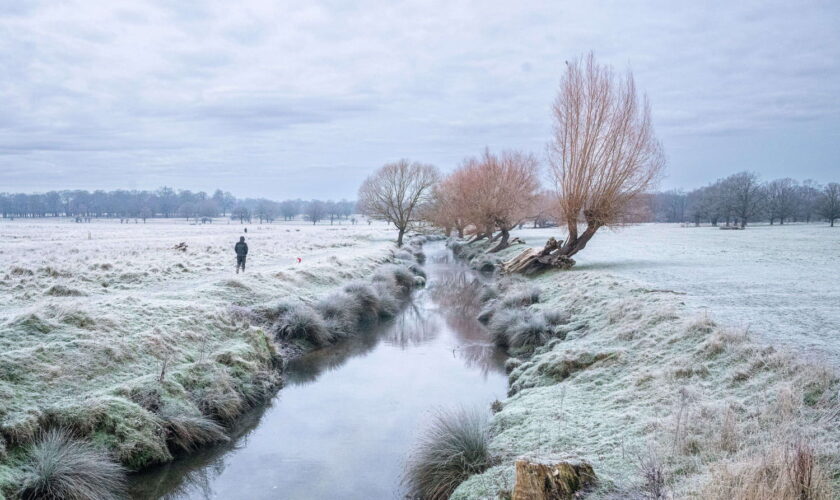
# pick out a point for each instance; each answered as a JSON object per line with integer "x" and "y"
{"x": 241, "y": 249}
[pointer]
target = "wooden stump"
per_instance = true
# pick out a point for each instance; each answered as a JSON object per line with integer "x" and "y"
{"x": 551, "y": 481}
{"x": 532, "y": 261}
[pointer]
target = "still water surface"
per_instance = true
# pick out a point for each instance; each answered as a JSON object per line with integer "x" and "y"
{"x": 345, "y": 422}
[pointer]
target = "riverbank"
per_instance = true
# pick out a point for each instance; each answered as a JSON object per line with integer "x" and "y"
{"x": 349, "y": 415}
{"x": 146, "y": 351}
{"x": 662, "y": 401}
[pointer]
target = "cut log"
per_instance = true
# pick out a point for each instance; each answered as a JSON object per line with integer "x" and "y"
{"x": 532, "y": 261}
{"x": 537, "y": 480}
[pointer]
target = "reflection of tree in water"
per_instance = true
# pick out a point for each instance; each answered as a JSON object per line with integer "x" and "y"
{"x": 306, "y": 369}
{"x": 413, "y": 326}
{"x": 457, "y": 289}
{"x": 475, "y": 350}
{"x": 193, "y": 474}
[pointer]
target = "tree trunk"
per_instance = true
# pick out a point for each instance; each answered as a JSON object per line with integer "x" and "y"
{"x": 400, "y": 237}
{"x": 503, "y": 242}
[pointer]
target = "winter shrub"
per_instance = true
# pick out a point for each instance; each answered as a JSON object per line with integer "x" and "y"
{"x": 59, "y": 467}
{"x": 453, "y": 447}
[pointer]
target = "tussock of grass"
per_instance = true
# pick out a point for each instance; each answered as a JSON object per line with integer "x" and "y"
{"x": 301, "y": 322}
{"x": 785, "y": 471}
{"x": 398, "y": 276}
{"x": 186, "y": 432}
{"x": 59, "y": 467}
{"x": 366, "y": 298}
{"x": 452, "y": 448}
{"x": 63, "y": 291}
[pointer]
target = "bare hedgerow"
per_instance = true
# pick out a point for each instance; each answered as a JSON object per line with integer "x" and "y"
{"x": 452, "y": 448}
{"x": 60, "y": 467}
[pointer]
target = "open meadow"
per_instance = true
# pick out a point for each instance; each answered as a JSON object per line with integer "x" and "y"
{"x": 782, "y": 283}
{"x": 91, "y": 314}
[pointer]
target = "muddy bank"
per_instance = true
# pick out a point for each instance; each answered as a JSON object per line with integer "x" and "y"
{"x": 659, "y": 400}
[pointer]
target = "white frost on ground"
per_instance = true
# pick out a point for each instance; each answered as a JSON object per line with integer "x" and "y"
{"x": 96, "y": 309}
{"x": 780, "y": 282}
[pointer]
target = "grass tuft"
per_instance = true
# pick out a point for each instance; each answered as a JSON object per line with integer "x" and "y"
{"x": 189, "y": 432}
{"x": 453, "y": 447}
{"x": 58, "y": 466}
{"x": 301, "y": 322}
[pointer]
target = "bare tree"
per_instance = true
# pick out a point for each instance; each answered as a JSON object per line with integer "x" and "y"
{"x": 745, "y": 194}
{"x": 315, "y": 211}
{"x": 782, "y": 199}
{"x": 829, "y": 203}
{"x": 502, "y": 192}
{"x": 604, "y": 156}
{"x": 395, "y": 192}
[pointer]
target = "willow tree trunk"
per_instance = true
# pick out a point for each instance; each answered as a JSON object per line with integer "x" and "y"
{"x": 555, "y": 254}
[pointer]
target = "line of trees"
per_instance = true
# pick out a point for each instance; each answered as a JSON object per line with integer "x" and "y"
{"x": 742, "y": 198}
{"x": 603, "y": 159}
{"x": 167, "y": 203}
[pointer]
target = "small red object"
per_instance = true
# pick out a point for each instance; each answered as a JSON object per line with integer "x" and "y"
{"x": 298, "y": 260}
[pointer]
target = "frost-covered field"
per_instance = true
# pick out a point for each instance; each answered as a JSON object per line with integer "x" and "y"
{"x": 91, "y": 313}
{"x": 780, "y": 282}
{"x": 702, "y": 393}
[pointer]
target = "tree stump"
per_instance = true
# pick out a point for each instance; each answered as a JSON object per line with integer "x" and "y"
{"x": 551, "y": 481}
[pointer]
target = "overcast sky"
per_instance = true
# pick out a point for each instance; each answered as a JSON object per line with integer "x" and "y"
{"x": 304, "y": 99}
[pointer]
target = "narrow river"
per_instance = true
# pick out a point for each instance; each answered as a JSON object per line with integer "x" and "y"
{"x": 345, "y": 422}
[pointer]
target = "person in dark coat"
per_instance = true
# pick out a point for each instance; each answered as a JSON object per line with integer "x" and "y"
{"x": 241, "y": 249}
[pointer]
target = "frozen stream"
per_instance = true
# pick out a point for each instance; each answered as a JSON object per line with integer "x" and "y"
{"x": 344, "y": 423}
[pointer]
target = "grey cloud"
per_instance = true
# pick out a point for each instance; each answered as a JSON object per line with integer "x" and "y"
{"x": 313, "y": 90}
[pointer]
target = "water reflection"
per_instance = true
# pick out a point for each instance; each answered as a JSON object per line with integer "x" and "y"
{"x": 344, "y": 422}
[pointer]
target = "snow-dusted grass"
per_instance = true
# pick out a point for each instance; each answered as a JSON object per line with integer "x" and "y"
{"x": 780, "y": 282}
{"x": 658, "y": 394}
{"x": 107, "y": 330}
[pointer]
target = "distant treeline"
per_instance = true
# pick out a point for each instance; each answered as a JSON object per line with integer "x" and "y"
{"x": 166, "y": 202}
{"x": 744, "y": 197}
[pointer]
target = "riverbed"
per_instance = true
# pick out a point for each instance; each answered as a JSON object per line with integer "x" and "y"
{"x": 344, "y": 424}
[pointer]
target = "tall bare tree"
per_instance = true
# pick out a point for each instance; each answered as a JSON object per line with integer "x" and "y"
{"x": 604, "y": 155}
{"x": 395, "y": 193}
{"x": 829, "y": 203}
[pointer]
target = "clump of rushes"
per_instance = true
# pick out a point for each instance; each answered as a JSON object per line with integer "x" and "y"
{"x": 58, "y": 466}
{"x": 452, "y": 448}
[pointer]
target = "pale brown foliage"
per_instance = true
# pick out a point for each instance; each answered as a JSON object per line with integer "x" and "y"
{"x": 490, "y": 192}
{"x": 396, "y": 193}
{"x": 604, "y": 154}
